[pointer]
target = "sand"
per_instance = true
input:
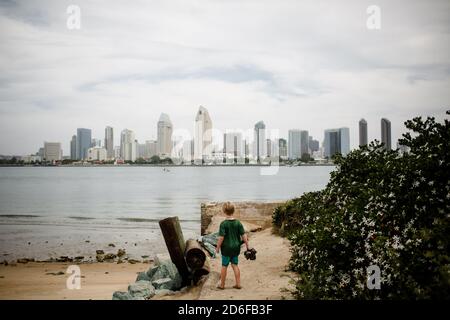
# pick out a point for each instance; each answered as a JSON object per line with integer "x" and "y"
{"x": 99, "y": 280}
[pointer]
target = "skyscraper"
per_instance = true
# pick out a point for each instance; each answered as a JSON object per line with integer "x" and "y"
{"x": 336, "y": 141}
{"x": 202, "y": 135}
{"x": 84, "y": 139}
{"x": 233, "y": 145}
{"x": 386, "y": 133}
{"x": 362, "y": 132}
{"x": 313, "y": 145}
{"x": 128, "y": 145}
{"x": 73, "y": 148}
{"x": 298, "y": 143}
{"x": 259, "y": 142}
{"x": 282, "y": 147}
{"x": 164, "y": 136}
{"x": 109, "y": 142}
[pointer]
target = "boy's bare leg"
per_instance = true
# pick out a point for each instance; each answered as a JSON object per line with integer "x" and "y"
{"x": 237, "y": 275}
{"x": 223, "y": 276}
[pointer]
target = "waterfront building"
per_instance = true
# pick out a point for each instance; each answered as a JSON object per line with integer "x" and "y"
{"x": 363, "y": 133}
{"x": 233, "y": 146}
{"x": 84, "y": 140}
{"x": 298, "y": 143}
{"x": 282, "y": 148}
{"x": 52, "y": 151}
{"x": 259, "y": 142}
{"x": 336, "y": 141}
{"x": 109, "y": 142}
{"x": 164, "y": 135}
{"x": 117, "y": 152}
{"x": 97, "y": 154}
{"x": 386, "y": 133}
{"x": 202, "y": 135}
{"x": 128, "y": 146}
{"x": 313, "y": 145}
{"x": 73, "y": 148}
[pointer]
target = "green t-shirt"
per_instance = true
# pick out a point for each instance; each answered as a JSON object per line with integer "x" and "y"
{"x": 231, "y": 230}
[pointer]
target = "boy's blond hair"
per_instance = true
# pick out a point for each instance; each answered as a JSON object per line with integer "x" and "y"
{"x": 228, "y": 208}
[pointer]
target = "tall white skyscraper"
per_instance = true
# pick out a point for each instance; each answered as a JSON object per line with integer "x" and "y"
{"x": 73, "y": 148}
{"x": 336, "y": 141}
{"x": 128, "y": 145}
{"x": 259, "y": 141}
{"x": 164, "y": 136}
{"x": 298, "y": 143}
{"x": 202, "y": 135}
{"x": 109, "y": 142}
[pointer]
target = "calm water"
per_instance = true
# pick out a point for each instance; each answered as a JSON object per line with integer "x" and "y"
{"x": 49, "y": 212}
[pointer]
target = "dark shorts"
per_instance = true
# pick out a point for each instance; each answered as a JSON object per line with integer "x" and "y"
{"x": 226, "y": 260}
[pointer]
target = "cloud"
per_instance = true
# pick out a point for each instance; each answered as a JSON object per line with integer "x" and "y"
{"x": 294, "y": 64}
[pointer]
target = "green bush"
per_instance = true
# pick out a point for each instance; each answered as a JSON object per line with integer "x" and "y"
{"x": 379, "y": 208}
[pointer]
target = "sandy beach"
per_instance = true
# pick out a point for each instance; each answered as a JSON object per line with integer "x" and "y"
{"x": 41, "y": 280}
{"x": 264, "y": 278}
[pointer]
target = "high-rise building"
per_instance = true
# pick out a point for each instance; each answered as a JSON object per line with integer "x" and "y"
{"x": 151, "y": 149}
{"x": 52, "y": 151}
{"x": 313, "y": 145}
{"x": 117, "y": 152}
{"x": 96, "y": 143}
{"x": 202, "y": 135}
{"x": 282, "y": 147}
{"x": 233, "y": 146}
{"x": 128, "y": 146}
{"x": 259, "y": 142}
{"x": 386, "y": 133}
{"x": 84, "y": 140}
{"x": 164, "y": 136}
{"x": 336, "y": 141}
{"x": 109, "y": 142}
{"x": 298, "y": 143}
{"x": 73, "y": 148}
{"x": 363, "y": 133}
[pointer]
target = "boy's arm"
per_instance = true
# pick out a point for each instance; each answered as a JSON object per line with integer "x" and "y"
{"x": 245, "y": 239}
{"x": 219, "y": 244}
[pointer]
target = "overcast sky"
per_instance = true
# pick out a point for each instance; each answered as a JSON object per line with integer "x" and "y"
{"x": 308, "y": 65}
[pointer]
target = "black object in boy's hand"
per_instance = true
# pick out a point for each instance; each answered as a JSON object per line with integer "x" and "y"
{"x": 250, "y": 254}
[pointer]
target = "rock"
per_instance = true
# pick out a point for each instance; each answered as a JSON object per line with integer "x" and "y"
{"x": 164, "y": 283}
{"x": 59, "y": 273}
{"x": 142, "y": 289}
{"x": 79, "y": 258}
{"x": 119, "y": 261}
{"x": 133, "y": 261}
{"x": 24, "y": 260}
{"x": 110, "y": 256}
{"x": 164, "y": 292}
{"x": 166, "y": 269}
{"x": 100, "y": 258}
{"x": 64, "y": 259}
{"x": 121, "y": 252}
{"x": 112, "y": 245}
{"x": 99, "y": 251}
{"x": 120, "y": 295}
{"x": 143, "y": 276}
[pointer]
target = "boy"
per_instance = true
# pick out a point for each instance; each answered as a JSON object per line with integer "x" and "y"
{"x": 231, "y": 235}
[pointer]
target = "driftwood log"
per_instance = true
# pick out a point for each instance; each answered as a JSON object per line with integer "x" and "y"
{"x": 194, "y": 254}
{"x": 173, "y": 236}
{"x": 198, "y": 273}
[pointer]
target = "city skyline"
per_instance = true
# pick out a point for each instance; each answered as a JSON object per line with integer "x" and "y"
{"x": 304, "y": 66}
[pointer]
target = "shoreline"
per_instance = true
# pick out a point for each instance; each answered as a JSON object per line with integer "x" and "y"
{"x": 165, "y": 165}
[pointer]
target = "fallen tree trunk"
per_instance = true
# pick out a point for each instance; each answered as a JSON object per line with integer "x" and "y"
{"x": 194, "y": 254}
{"x": 173, "y": 236}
